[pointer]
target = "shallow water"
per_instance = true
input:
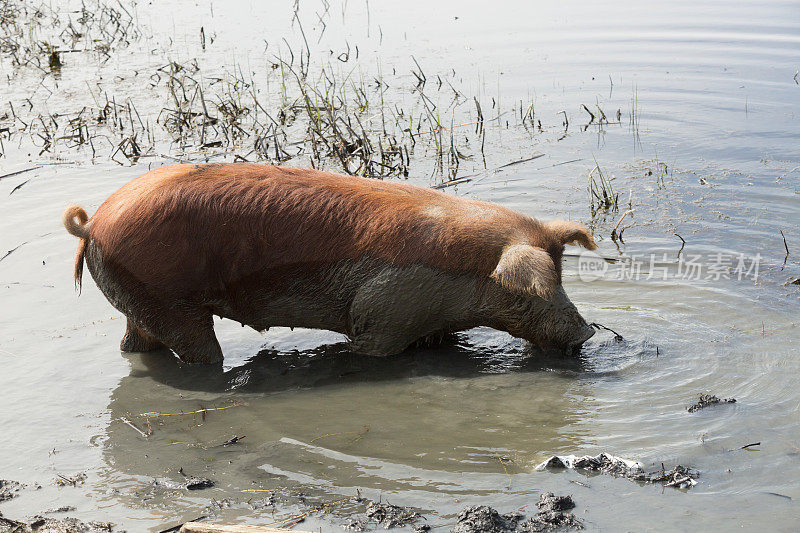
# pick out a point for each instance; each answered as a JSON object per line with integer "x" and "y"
{"x": 712, "y": 95}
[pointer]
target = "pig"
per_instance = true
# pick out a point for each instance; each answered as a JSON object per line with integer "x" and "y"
{"x": 384, "y": 263}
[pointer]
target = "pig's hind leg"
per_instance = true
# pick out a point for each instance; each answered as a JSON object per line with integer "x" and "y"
{"x": 136, "y": 340}
{"x": 185, "y": 327}
{"x": 187, "y": 332}
{"x": 191, "y": 338}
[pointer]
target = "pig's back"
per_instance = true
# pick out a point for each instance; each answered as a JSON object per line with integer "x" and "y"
{"x": 194, "y": 225}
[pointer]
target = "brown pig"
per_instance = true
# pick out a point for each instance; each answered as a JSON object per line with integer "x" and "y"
{"x": 384, "y": 263}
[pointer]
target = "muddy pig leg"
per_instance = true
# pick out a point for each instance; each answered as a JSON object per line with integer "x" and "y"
{"x": 184, "y": 327}
{"x": 187, "y": 332}
{"x": 136, "y": 340}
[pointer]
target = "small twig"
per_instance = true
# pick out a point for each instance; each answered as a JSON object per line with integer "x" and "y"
{"x": 502, "y": 461}
{"x": 590, "y": 113}
{"x": 19, "y": 172}
{"x": 456, "y": 181}
{"x": 617, "y": 336}
{"x": 779, "y": 495}
{"x": 18, "y": 187}
{"x": 233, "y": 440}
{"x": 468, "y": 178}
{"x": 784, "y": 242}
{"x": 525, "y": 160}
{"x": 68, "y": 480}
{"x": 611, "y": 260}
{"x": 11, "y": 251}
{"x": 683, "y": 243}
{"x": 561, "y": 163}
{"x": 614, "y": 233}
{"x": 357, "y": 433}
{"x": 749, "y": 445}
{"x": 678, "y": 482}
{"x": 131, "y": 424}
{"x": 623, "y": 231}
{"x": 173, "y": 529}
{"x": 154, "y": 414}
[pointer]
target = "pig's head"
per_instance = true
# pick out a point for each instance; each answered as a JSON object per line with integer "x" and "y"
{"x": 531, "y": 302}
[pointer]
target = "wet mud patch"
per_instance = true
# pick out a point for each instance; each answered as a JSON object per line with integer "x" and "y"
{"x": 482, "y": 518}
{"x": 388, "y": 516}
{"x": 193, "y": 483}
{"x": 385, "y": 516}
{"x": 707, "y": 400}
{"x": 285, "y": 508}
{"x": 40, "y": 524}
{"x": 679, "y": 476}
{"x": 71, "y": 481}
{"x": 9, "y": 489}
{"x": 554, "y": 513}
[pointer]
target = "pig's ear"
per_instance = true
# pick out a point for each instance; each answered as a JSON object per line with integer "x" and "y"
{"x": 526, "y": 270}
{"x": 568, "y": 232}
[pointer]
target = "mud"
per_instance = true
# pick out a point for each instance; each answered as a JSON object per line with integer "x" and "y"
{"x": 73, "y": 480}
{"x": 190, "y": 483}
{"x": 481, "y": 518}
{"x": 40, "y": 524}
{"x": 63, "y": 509}
{"x": 707, "y": 400}
{"x": 679, "y": 476}
{"x": 9, "y": 489}
{"x": 386, "y": 516}
{"x": 554, "y": 513}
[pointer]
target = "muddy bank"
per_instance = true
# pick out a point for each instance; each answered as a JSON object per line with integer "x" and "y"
{"x": 352, "y": 514}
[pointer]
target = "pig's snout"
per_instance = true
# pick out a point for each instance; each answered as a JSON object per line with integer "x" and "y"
{"x": 586, "y": 333}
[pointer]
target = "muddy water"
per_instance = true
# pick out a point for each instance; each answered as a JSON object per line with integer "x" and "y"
{"x": 706, "y": 89}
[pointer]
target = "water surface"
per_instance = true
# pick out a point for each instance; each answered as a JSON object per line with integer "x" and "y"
{"x": 706, "y": 89}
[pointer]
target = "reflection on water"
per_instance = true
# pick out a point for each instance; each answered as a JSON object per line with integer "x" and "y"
{"x": 428, "y": 423}
{"x": 450, "y": 408}
{"x": 466, "y": 355}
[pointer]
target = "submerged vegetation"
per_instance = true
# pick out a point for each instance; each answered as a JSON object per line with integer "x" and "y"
{"x": 601, "y": 192}
{"x": 327, "y": 112}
